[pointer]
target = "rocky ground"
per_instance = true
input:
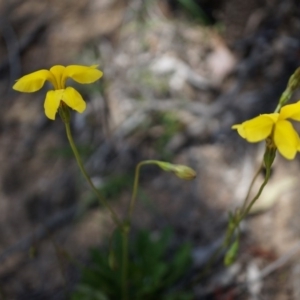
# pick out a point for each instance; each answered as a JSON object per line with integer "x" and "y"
{"x": 171, "y": 90}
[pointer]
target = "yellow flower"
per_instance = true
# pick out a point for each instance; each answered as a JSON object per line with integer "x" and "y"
{"x": 58, "y": 75}
{"x": 275, "y": 126}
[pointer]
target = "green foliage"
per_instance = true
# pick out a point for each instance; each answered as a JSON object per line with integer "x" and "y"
{"x": 151, "y": 273}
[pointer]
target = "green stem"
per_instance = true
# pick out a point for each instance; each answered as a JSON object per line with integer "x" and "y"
{"x": 123, "y": 226}
{"x": 250, "y": 188}
{"x": 135, "y": 189}
{"x": 88, "y": 179}
{"x": 267, "y": 177}
{"x": 126, "y": 228}
{"x": 245, "y": 212}
{"x": 136, "y": 184}
{"x": 125, "y": 258}
{"x": 229, "y": 236}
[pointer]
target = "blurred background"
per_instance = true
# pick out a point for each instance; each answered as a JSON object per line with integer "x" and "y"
{"x": 177, "y": 75}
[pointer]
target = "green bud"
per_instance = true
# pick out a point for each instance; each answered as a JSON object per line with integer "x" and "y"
{"x": 184, "y": 172}
{"x": 293, "y": 84}
{"x": 181, "y": 171}
{"x": 269, "y": 156}
{"x": 294, "y": 81}
{"x": 231, "y": 253}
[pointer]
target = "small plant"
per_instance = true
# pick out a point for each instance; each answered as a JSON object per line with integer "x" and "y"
{"x": 60, "y": 100}
{"x": 278, "y": 134}
{"x": 152, "y": 271}
{"x": 145, "y": 267}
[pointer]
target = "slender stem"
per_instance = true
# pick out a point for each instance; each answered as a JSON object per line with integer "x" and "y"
{"x": 126, "y": 228}
{"x": 245, "y": 211}
{"x": 123, "y": 226}
{"x": 267, "y": 177}
{"x": 136, "y": 184}
{"x": 88, "y": 179}
{"x": 228, "y": 238}
{"x": 135, "y": 189}
{"x": 250, "y": 187}
{"x": 278, "y": 107}
{"x": 125, "y": 258}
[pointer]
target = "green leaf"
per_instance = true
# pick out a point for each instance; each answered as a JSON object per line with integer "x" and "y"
{"x": 85, "y": 292}
{"x": 150, "y": 274}
{"x": 180, "y": 264}
{"x": 231, "y": 253}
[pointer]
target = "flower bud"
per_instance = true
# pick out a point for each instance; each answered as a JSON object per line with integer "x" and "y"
{"x": 231, "y": 253}
{"x": 184, "y": 172}
{"x": 181, "y": 171}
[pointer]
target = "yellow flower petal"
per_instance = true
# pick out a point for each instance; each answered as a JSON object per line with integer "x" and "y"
{"x": 52, "y": 102}
{"x": 33, "y": 82}
{"x": 240, "y": 129}
{"x": 83, "y": 74}
{"x": 286, "y": 139}
{"x": 273, "y": 116}
{"x": 58, "y": 72}
{"x": 73, "y": 99}
{"x": 257, "y": 129}
{"x": 291, "y": 111}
